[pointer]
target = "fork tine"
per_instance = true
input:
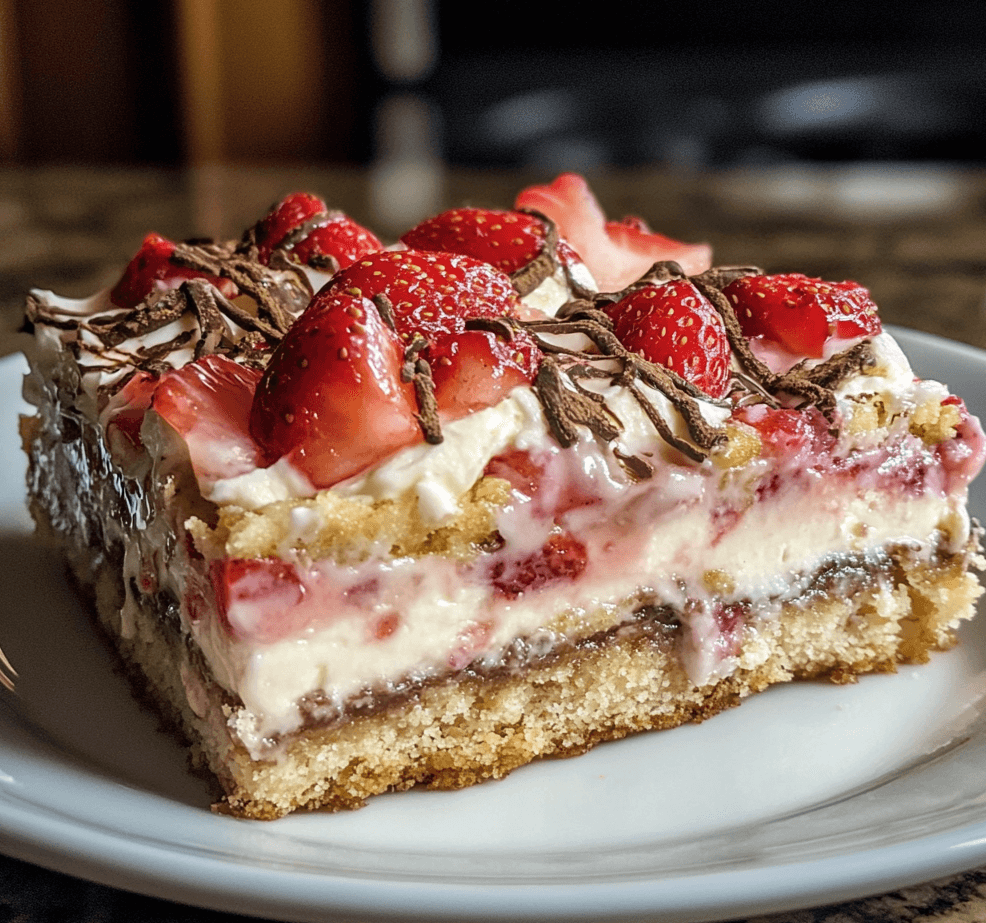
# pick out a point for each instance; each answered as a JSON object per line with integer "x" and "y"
{"x": 7, "y": 672}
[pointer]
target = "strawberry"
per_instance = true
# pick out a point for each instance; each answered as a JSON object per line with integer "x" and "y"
{"x": 257, "y": 599}
{"x": 340, "y": 237}
{"x": 282, "y": 219}
{"x": 617, "y": 253}
{"x": 676, "y": 326}
{"x": 476, "y": 369}
{"x": 547, "y": 485}
{"x": 208, "y": 403}
{"x": 562, "y": 557}
{"x": 432, "y": 293}
{"x": 505, "y": 239}
{"x": 801, "y": 313}
{"x": 332, "y": 398}
{"x": 151, "y": 269}
{"x": 802, "y": 436}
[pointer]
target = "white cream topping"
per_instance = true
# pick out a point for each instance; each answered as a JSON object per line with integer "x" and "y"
{"x": 442, "y": 473}
{"x": 554, "y": 291}
{"x": 257, "y": 488}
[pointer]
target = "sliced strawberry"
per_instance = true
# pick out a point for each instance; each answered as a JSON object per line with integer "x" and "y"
{"x": 675, "y": 326}
{"x": 476, "y": 369}
{"x": 562, "y": 557}
{"x": 431, "y": 293}
{"x": 257, "y": 599}
{"x": 963, "y": 455}
{"x": 617, "y": 253}
{"x": 338, "y": 237}
{"x": 801, "y": 313}
{"x": 332, "y": 397}
{"x": 507, "y": 240}
{"x": 208, "y": 403}
{"x": 151, "y": 269}
{"x": 471, "y": 641}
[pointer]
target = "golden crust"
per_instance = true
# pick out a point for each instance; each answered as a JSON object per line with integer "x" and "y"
{"x": 343, "y": 528}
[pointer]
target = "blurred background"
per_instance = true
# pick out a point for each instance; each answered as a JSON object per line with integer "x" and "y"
{"x": 839, "y": 138}
{"x": 508, "y": 83}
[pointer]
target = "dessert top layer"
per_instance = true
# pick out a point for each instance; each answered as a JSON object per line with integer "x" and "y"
{"x": 307, "y": 357}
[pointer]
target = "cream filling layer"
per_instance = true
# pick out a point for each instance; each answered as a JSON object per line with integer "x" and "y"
{"x": 440, "y": 619}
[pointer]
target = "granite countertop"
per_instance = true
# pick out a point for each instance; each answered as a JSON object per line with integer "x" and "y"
{"x": 915, "y": 237}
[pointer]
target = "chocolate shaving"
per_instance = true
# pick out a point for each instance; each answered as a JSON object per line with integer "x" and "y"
{"x": 311, "y": 224}
{"x": 145, "y": 319}
{"x": 161, "y": 350}
{"x": 280, "y": 262}
{"x": 243, "y": 318}
{"x": 634, "y": 465}
{"x": 253, "y": 278}
{"x": 215, "y": 317}
{"x": 386, "y": 309}
{"x": 201, "y": 299}
{"x": 502, "y": 327}
{"x": 323, "y": 262}
{"x": 836, "y": 369}
{"x": 566, "y": 409}
{"x": 417, "y": 370}
{"x": 710, "y": 284}
{"x": 568, "y": 405}
{"x": 36, "y": 311}
{"x": 543, "y": 266}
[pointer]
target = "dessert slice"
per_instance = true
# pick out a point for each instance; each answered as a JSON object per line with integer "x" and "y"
{"x": 422, "y": 515}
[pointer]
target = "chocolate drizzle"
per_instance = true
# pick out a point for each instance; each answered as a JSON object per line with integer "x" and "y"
{"x": 526, "y": 279}
{"x": 417, "y": 371}
{"x": 579, "y": 347}
{"x": 568, "y": 404}
{"x": 278, "y": 300}
{"x": 219, "y": 325}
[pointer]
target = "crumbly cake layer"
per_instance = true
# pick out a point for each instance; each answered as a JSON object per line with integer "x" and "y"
{"x": 470, "y": 728}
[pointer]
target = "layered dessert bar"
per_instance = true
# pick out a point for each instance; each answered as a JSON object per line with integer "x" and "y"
{"x": 359, "y": 518}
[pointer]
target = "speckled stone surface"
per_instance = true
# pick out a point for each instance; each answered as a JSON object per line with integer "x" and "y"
{"x": 916, "y": 238}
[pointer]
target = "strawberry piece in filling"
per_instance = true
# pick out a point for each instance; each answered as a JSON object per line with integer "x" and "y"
{"x": 562, "y": 557}
{"x": 257, "y": 599}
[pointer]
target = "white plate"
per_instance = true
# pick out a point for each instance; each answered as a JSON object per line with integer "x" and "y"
{"x": 807, "y": 794}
